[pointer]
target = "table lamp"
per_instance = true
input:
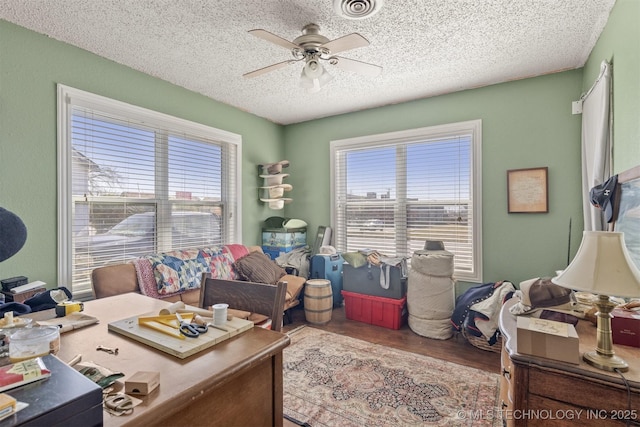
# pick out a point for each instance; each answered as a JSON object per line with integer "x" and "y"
{"x": 604, "y": 267}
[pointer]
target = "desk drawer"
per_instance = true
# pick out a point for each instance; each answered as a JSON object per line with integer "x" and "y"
{"x": 506, "y": 388}
{"x": 546, "y": 412}
{"x": 580, "y": 391}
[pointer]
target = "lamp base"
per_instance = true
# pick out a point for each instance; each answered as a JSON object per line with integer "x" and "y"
{"x": 607, "y": 363}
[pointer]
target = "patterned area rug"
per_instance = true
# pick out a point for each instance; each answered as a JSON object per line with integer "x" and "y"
{"x": 333, "y": 380}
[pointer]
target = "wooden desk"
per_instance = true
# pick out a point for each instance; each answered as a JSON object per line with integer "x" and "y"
{"x": 237, "y": 382}
{"x": 542, "y": 392}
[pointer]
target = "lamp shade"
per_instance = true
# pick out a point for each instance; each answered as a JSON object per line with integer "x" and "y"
{"x": 312, "y": 69}
{"x": 314, "y": 76}
{"x": 602, "y": 266}
{"x": 13, "y": 234}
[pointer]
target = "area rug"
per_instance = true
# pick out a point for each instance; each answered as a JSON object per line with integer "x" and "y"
{"x": 333, "y": 380}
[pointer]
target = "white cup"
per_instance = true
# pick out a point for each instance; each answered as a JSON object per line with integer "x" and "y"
{"x": 220, "y": 314}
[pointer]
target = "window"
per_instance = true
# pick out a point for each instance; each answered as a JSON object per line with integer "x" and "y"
{"x": 134, "y": 182}
{"x": 394, "y": 191}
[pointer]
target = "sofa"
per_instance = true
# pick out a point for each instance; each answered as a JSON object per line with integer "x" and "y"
{"x": 176, "y": 275}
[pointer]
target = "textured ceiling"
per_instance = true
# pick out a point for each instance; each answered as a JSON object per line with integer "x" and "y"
{"x": 426, "y": 47}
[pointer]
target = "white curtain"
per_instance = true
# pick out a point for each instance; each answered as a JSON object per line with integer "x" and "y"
{"x": 596, "y": 144}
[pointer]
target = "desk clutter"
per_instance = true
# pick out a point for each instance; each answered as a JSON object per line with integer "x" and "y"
{"x": 57, "y": 394}
{"x": 34, "y": 298}
{"x": 180, "y": 330}
{"x": 28, "y": 351}
{"x": 13, "y": 282}
{"x": 19, "y": 289}
{"x": 548, "y": 339}
{"x": 625, "y": 325}
{"x": 547, "y": 317}
{"x": 142, "y": 383}
{"x": 101, "y": 388}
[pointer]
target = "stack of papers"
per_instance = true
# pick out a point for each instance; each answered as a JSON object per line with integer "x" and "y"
{"x": 70, "y": 322}
{"x": 19, "y": 373}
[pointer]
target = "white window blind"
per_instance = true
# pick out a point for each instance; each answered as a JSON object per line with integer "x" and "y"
{"x": 139, "y": 182}
{"x": 394, "y": 191}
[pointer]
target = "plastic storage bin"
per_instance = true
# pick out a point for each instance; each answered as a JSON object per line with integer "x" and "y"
{"x": 389, "y": 313}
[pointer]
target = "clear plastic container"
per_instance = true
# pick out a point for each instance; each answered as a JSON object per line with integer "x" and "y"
{"x": 28, "y": 343}
{"x": 8, "y": 325}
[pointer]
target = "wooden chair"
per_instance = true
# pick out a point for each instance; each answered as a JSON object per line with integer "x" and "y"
{"x": 253, "y": 297}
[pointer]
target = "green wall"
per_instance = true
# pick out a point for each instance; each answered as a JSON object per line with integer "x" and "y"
{"x": 526, "y": 123}
{"x": 30, "y": 67}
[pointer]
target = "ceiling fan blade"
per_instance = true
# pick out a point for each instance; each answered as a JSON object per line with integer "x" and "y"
{"x": 360, "y": 67}
{"x": 270, "y": 37}
{"x": 348, "y": 42}
{"x": 264, "y": 70}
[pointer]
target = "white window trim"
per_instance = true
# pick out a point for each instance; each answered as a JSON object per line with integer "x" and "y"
{"x": 431, "y": 132}
{"x": 90, "y": 100}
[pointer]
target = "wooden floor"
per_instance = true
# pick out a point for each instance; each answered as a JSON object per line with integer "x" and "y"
{"x": 455, "y": 349}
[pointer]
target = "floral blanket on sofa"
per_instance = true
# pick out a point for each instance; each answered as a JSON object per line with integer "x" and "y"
{"x": 169, "y": 273}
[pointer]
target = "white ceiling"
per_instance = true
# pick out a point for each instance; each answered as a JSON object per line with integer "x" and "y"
{"x": 426, "y": 47}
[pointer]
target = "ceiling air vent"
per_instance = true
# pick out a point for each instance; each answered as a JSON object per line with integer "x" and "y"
{"x": 357, "y": 9}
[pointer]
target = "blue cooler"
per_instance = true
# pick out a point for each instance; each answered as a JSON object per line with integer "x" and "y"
{"x": 329, "y": 267}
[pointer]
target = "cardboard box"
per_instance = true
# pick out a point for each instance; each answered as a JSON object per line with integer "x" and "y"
{"x": 389, "y": 313}
{"x": 548, "y": 339}
{"x": 625, "y": 327}
{"x": 142, "y": 383}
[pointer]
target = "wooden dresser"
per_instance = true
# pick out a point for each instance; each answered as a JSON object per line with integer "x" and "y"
{"x": 536, "y": 391}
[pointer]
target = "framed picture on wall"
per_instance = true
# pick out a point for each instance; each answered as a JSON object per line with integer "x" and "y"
{"x": 527, "y": 190}
{"x": 626, "y": 211}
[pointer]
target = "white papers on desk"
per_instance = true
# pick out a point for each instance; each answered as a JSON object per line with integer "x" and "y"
{"x": 70, "y": 322}
{"x": 23, "y": 288}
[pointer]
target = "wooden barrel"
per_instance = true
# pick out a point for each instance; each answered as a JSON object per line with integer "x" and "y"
{"x": 318, "y": 301}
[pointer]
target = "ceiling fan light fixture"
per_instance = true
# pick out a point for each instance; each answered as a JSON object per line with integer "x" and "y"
{"x": 313, "y": 48}
{"x": 357, "y": 9}
{"x": 313, "y": 78}
{"x": 313, "y": 69}
{"x": 325, "y": 77}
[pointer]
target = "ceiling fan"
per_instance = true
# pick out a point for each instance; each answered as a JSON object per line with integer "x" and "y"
{"x": 312, "y": 47}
